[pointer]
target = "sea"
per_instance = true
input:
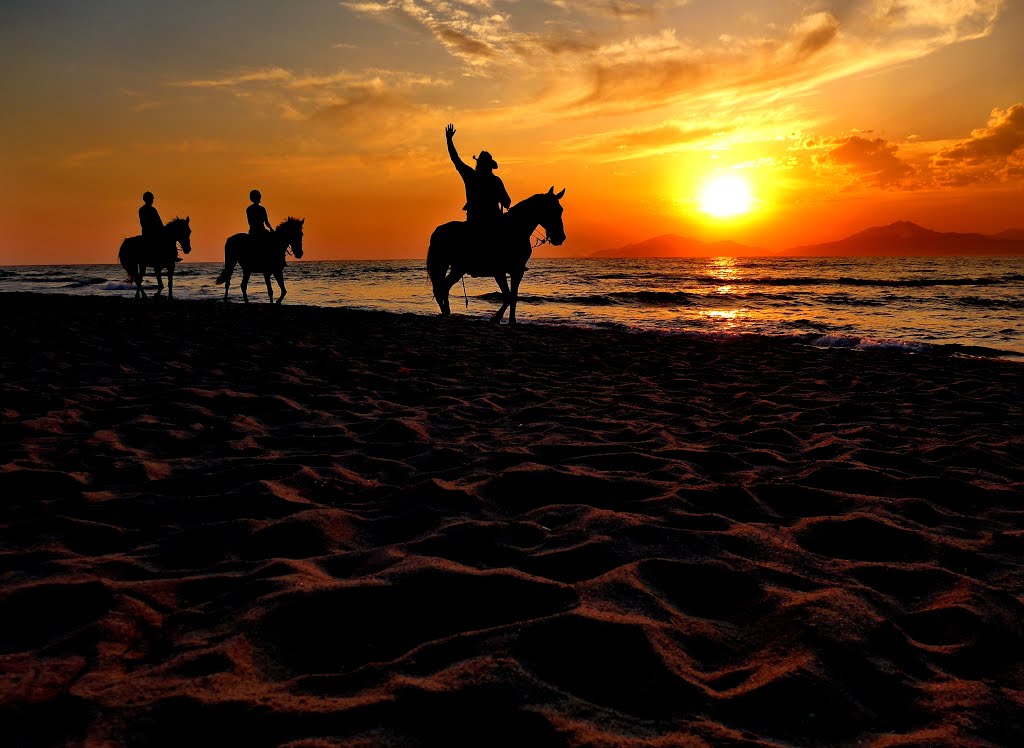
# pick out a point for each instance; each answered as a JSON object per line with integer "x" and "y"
{"x": 972, "y": 306}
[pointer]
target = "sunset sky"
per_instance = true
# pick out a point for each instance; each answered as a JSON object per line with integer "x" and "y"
{"x": 838, "y": 115}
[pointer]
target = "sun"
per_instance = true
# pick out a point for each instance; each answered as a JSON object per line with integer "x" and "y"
{"x": 726, "y": 196}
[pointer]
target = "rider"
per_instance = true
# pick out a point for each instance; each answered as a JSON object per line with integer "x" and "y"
{"x": 152, "y": 226}
{"x": 259, "y": 223}
{"x": 485, "y": 192}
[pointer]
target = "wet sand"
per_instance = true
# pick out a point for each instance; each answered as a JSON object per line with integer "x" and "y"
{"x": 308, "y": 527}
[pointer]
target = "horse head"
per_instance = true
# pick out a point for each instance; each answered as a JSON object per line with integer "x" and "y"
{"x": 180, "y": 230}
{"x": 551, "y": 217}
{"x": 291, "y": 231}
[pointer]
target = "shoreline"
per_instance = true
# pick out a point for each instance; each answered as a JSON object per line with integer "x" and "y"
{"x": 819, "y": 341}
{"x": 320, "y": 526}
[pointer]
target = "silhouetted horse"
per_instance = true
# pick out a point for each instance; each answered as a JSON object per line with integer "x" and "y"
{"x": 457, "y": 246}
{"x": 136, "y": 254}
{"x": 265, "y": 255}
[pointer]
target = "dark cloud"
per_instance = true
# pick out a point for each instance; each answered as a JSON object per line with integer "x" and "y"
{"x": 873, "y": 160}
{"x": 463, "y": 45}
{"x": 639, "y": 142}
{"x": 622, "y": 10}
{"x": 816, "y": 33}
{"x": 358, "y": 103}
{"x": 993, "y": 153}
{"x": 1003, "y": 136}
{"x": 652, "y": 71}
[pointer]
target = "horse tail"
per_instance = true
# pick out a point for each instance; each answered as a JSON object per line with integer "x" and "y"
{"x": 122, "y": 256}
{"x": 437, "y": 261}
{"x": 230, "y": 259}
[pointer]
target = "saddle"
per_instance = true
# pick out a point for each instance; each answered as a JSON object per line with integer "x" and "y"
{"x": 263, "y": 248}
{"x": 479, "y": 245}
{"x": 161, "y": 247}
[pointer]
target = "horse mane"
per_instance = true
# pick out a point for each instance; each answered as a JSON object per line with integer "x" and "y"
{"x": 286, "y": 221}
{"x": 524, "y": 202}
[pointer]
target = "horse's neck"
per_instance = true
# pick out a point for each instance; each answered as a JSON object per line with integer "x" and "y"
{"x": 281, "y": 238}
{"x": 523, "y": 217}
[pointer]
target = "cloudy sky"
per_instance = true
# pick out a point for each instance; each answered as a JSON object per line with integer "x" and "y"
{"x": 838, "y": 115}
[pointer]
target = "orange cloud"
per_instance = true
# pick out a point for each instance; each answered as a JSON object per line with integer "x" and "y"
{"x": 994, "y": 152}
{"x": 873, "y": 160}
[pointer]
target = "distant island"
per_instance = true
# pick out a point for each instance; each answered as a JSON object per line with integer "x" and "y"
{"x": 900, "y": 239}
{"x": 671, "y": 245}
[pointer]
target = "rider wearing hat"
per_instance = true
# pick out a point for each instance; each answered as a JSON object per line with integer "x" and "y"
{"x": 152, "y": 226}
{"x": 485, "y": 192}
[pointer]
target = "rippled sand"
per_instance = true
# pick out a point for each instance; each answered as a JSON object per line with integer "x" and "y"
{"x": 296, "y": 526}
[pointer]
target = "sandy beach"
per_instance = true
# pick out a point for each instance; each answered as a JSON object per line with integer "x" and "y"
{"x": 259, "y": 526}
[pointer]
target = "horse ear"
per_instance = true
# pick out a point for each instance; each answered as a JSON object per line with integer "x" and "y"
{"x": 552, "y": 190}
{"x": 188, "y": 218}
{"x": 302, "y": 222}
{"x": 559, "y": 195}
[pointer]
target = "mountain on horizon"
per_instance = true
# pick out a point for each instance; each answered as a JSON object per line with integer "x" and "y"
{"x": 905, "y": 238}
{"x": 1011, "y": 234}
{"x": 673, "y": 245}
{"x": 902, "y": 238}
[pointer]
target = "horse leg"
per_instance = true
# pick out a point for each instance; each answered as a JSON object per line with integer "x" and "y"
{"x": 279, "y": 274}
{"x": 245, "y": 284}
{"x": 159, "y": 281}
{"x": 138, "y": 282}
{"x": 442, "y": 287}
{"x": 517, "y": 278}
{"x": 133, "y": 275}
{"x": 270, "y": 289}
{"x": 506, "y": 297}
{"x": 170, "y": 283}
{"x": 454, "y": 277}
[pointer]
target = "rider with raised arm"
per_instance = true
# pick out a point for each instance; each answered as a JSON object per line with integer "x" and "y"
{"x": 485, "y": 192}
{"x": 152, "y": 227}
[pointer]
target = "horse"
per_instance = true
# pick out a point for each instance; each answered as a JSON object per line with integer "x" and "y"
{"x": 455, "y": 246}
{"x": 264, "y": 256}
{"x": 138, "y": 253}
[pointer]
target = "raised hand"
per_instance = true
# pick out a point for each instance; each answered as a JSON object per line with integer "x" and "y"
{"x": 449, "y": 131}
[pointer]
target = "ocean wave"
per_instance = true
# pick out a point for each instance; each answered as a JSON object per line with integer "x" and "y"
{"x": 83, "y": 282}
{"x": 646, "y": 298}
{"x": 983, "y": 303}
{"x": 44, "y": 278}
{"x": 861, "y": 343}
{"x": 852, "y": 281}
